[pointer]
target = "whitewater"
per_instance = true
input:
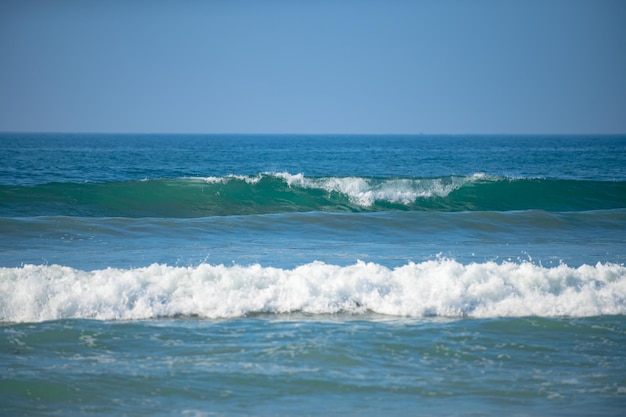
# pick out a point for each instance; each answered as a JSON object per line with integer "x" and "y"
{"x": 442, "y": 288}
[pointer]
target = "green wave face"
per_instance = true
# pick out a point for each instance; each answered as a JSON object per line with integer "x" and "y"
{"x": 282, "y": 193}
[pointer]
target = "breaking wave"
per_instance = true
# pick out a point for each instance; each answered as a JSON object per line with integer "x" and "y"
{"x": 442, "y": 287}
{"x": 283, "y": 192}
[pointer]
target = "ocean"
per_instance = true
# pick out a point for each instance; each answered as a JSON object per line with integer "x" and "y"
{"x": 294, "y": 275}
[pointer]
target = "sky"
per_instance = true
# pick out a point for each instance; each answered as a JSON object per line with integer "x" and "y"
{"x": 313, "y": 67}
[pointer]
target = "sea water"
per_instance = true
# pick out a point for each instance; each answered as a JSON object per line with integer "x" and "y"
{"x": 203, "y": 275}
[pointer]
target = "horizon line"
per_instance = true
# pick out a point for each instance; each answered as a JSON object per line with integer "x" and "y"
{"x": 51, "y": 132}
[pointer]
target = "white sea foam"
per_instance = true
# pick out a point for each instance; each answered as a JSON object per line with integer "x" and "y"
{"x": 223, "y": 180}
{"x": 434, "y": 288}
{"x": 366, "y": 191}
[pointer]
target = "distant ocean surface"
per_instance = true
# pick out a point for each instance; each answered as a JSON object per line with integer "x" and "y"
{"x": 261, "y": 275}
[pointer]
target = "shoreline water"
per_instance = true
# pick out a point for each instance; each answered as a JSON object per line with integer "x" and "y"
{"x": 286, "y": 365}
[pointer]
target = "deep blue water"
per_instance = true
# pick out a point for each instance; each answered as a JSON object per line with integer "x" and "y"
{"x": 312, "y": 275}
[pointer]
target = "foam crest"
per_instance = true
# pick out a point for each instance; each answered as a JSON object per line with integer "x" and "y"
{"x": 366, "y": 191}
{"x": 223, "y": 180}
{"x": 434, "y": 288}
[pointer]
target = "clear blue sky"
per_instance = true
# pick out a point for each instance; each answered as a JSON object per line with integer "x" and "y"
{"x": 315, "y": 66}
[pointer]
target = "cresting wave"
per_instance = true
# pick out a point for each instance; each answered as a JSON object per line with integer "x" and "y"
{"x": 365, "y": 192}
{"x": 441, "y": 287}
{"x": 283, "y": 192}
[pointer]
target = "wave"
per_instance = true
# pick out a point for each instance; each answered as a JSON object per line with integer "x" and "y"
{"x": 442, "y": 287}
{"x": 283, "y": 192}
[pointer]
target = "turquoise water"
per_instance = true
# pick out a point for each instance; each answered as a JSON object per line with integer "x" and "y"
{"x": 322, "y": 275}
{"x": 302, "y": 365}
